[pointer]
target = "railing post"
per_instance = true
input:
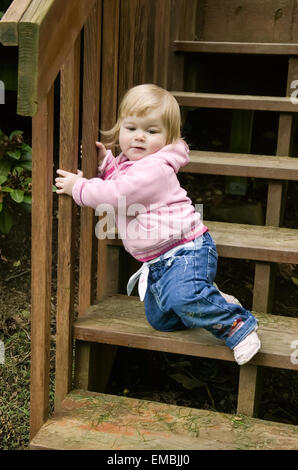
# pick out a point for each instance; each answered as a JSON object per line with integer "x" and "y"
{"x": 69, "y": 142}
{"x": 42, "y": 200}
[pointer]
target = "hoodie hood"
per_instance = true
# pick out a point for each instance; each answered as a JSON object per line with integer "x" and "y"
{"x": 175, "y": 155}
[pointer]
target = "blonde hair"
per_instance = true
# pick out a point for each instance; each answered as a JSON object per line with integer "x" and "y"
{"x": 141, "y": 100}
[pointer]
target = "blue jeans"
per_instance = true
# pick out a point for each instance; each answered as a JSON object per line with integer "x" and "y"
{"x": 180, "y": 294}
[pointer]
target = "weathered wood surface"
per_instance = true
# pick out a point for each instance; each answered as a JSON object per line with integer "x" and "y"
{"x": 47, "y": 32}
{"x": 92, "y": 421}
{"x": 41, "y": 258}
{"x": 85, "y": 357}
{"x": 9, "y": 22}
{"x": 276, "y": 200}
{"x": 121, "y": 321}
{"x": 220, "y": 101}
{"x": 263, "y": 243}
{"x": 236, "y": 164}
{"x": 249, "y": 389}
{"x": 69, "y": 143}
{"x": 241, "y": 241}
{"x": 247, "y": 20}
{"x": 222, "y": 47}
{"x": 107, "y": 256}
{"x": 90, "y": 125}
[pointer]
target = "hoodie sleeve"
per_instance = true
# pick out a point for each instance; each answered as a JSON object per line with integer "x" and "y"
{"x": 144, "y": 183}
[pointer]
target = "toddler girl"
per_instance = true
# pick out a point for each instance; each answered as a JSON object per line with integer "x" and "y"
{"x": 158, "y": 223}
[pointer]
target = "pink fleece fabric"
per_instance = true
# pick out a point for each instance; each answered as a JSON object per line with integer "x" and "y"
{"x": 153, "y": 213}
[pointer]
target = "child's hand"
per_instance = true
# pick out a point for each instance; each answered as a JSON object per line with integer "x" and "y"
{"x": 101, "y": 152}
{"x": 67, "y": 181}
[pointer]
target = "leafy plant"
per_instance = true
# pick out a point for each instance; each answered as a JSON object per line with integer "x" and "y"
{"x": 15, "y": 176}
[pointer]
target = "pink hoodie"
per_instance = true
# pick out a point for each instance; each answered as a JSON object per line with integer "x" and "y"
{"x": 152, "y": 211}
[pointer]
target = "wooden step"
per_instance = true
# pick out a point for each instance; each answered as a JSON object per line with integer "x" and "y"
{"x": 223, "y": 47}
{"x": 91, "y": 421}
{"x": 120, "y": 320}
{"x": 224, "y": 101}
{"x": 259, "y": 243}
{"x": 253, "y": 242}
{"x": 236, "y": 164}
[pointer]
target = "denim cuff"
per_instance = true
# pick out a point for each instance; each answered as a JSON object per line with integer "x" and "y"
{"x": 248, "y": 326}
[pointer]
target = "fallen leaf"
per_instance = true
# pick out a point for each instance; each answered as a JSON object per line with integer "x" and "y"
{"x": 190, "y": 383}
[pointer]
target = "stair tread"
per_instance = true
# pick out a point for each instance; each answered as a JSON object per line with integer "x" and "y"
{"x": 93, "y": 421}
{"x": 254, "y": 242}
{"x": 249, "y": 165}
{"x": 121, "y": 320}
{"x": 228, "y": 47}
{"x": 228, "y": 101}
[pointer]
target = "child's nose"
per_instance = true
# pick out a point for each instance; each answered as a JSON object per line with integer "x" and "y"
{"x": 139, "y": 135}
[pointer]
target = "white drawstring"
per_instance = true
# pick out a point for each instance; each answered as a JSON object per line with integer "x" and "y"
{"x": 143, "y": 272}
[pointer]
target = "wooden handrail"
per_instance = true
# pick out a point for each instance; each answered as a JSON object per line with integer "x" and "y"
{"x": 45, "y": 32}
{"x": 9, "y": 22}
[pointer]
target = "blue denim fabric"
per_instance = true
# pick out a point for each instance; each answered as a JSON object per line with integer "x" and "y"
{"x": 180, "y": 294}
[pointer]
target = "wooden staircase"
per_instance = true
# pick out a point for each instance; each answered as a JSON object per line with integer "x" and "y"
{"x": 85, "y": 417}
{"x": 89, "y": 420}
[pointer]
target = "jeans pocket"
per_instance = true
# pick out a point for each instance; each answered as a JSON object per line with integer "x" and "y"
{"x": 212, "y": 265}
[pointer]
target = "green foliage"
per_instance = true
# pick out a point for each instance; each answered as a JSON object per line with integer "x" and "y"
{"x": 15, "y": 176}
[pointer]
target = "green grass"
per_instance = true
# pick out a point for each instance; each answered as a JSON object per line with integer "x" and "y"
{"x": 15, "y": 385}
{"x": 15, "y": 392}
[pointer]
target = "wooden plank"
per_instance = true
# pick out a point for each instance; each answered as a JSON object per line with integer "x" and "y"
{"x": 240, "y": 141}
{"x": 87, "y": 356}
{"x": 69, "y": 129}
{"x": 44, "y": 44}
{"x": 90, "y": 126}
{"x": 108, "y": 117}
{"x": 265, "y": 275}
{"x": 97, "y": 422}
{"x": 143, "y": 17}
{"x": 161, "y": 43}
{"x": 236, "y": 164}
{"x": 264, "y": 286}
{"x": 126, "y": 47}
{"x": 9, "y": 22}
{"x": 224, "y": 47}
{"x": 259, "y": 243}
{"x": 263, "y": 243}
{"x": 121, "y": 321}
{"x": 248, "y": 20}
{"x": 93, "y": 364}
{"x": 219, "y": 101}
{"x": 249, "y": 392}
{"x": 175, "y": 75}
{"x": 110, "y": 58}
{"x": 42, "y": 176}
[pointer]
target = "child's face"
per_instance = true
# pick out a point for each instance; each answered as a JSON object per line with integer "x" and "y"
{"x": 142, "y": 136}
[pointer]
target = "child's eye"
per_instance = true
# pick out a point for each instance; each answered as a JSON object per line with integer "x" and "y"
{"x": 130, "y": 128}
{"x": 153, "y": 131}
